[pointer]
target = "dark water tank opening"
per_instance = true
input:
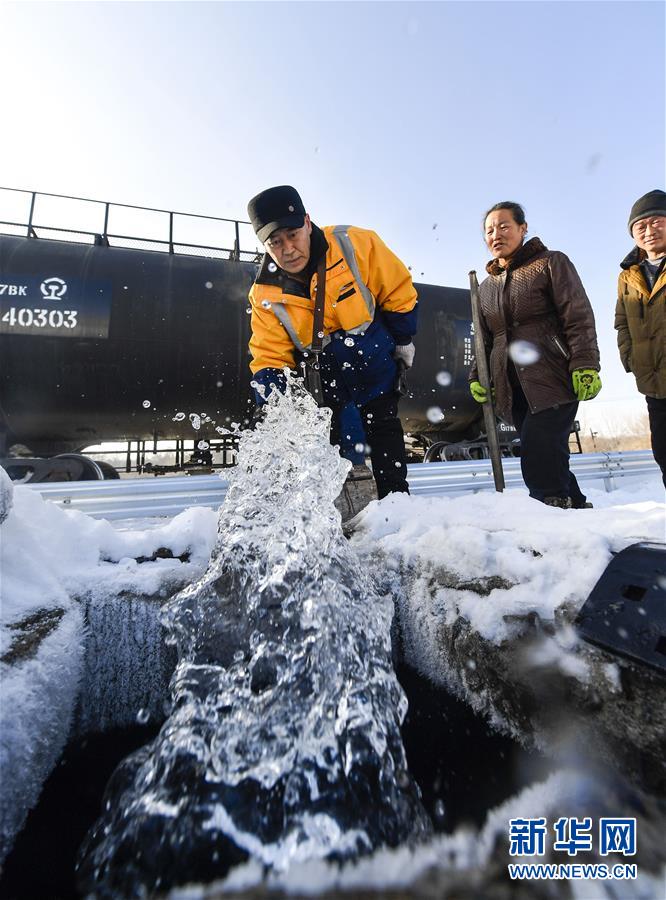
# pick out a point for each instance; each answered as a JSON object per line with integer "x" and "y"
{"x": 463, "y": 768}
{"x": 41, "y": 864}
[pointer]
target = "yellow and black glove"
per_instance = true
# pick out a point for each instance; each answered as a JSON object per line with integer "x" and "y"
{"x": 586, "y": 383}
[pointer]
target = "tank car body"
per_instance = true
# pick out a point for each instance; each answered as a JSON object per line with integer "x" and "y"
{"x": 104, "y": 343}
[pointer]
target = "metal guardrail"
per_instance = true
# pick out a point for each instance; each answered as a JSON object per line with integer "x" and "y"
{"x": 135, "y": 498}
{"x": 477, "y": 475}
{"x": 167, "y": 496}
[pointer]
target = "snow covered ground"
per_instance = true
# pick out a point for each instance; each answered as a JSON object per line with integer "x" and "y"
{"x": 60, "y": 570}
{"x": 52, "y": 559}
{"x": 546, "y": 556}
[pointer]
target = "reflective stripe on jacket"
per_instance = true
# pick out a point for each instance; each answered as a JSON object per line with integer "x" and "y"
{"x": 362, "y": 276}
{"x": 640, "y": 320}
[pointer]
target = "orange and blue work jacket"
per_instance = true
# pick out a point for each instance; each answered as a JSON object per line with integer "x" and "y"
{"x": 370, "y": 306}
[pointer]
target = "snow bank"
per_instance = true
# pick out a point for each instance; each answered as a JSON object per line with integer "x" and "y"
{"x": 6, "y": 495}
{"x": 487, "y": 588}
{"x": 41, "y": 637}
{"x": 79, "y": 623}
{"x": 503, "y": 555}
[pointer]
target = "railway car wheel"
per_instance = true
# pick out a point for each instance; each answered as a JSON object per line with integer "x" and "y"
{"x": 435, "y": 452}
{"x": 83, "y": 468}
{"x": 108, "y": 471}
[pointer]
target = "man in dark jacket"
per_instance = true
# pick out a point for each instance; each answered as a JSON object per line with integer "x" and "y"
{"x": 538, "y": 326}
{"x": 370, "y": 311}
{"x": 640, "y": 313}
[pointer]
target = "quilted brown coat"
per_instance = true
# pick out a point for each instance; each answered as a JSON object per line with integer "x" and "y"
{"x": 539, "y": 299}
{"x": 640, "y": 319}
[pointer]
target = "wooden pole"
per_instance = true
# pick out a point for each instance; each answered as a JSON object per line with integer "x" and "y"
{"x": 484, "y": 380}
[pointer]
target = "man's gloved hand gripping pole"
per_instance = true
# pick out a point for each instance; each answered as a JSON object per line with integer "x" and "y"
{"x": 312, "y": 369}
{"x": 404, "y": 357}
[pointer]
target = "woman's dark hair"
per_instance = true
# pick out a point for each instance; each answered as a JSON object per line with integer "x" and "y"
{"x": 515, "y": 209}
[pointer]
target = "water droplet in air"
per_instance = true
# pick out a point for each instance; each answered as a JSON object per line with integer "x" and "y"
{"x": 266, "y": 304}
{"x": 146, "y": 404}
{"x": 434, "y": 414}
{"x": 444, "y": 378}
{"x": 524, "y": 353}
{"x": 360, "y": 448}
{"x": 195, "y": 421}
{"x": 142, "y": 716}
{"x": 349, "y": 342}
{"x": 203, "y": 445}
{"x": 209, "y": 284}
{"x": 439, "y": 810}
{"x": 178, "y": 417}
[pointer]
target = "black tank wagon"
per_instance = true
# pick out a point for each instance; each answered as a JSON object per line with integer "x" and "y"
{"x": 104, "y": 342}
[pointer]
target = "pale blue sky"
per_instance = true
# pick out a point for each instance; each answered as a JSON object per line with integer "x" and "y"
{"x": 395, "y": 116}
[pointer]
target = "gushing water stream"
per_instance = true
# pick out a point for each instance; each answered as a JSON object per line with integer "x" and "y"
{"x": 283, "y": 743}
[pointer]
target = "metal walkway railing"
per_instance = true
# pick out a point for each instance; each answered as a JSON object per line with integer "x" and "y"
{"x": 39, "y": 215}
{"x": 167, "y": 496}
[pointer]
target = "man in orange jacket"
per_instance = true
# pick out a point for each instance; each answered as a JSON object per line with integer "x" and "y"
{"x": 370, "y": 314}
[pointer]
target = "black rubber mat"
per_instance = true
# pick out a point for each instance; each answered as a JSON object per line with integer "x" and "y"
{"x": 626, "y": 611}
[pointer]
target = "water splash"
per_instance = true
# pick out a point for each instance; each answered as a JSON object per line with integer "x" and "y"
{"x": 284, "y": 740}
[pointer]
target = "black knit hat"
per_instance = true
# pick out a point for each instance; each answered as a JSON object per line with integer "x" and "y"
{"x": 651, "y": 204}
{"x": 276, "y": 207}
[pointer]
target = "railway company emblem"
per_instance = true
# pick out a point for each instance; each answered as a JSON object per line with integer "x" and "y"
{"x": 53, "y": 288}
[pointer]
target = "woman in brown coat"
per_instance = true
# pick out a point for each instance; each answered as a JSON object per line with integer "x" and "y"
{"x": 538, "y": 327}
